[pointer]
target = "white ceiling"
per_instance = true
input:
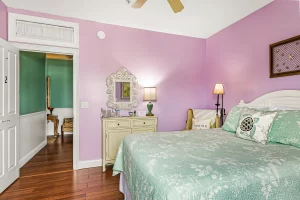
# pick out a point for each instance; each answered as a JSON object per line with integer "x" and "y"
{"x": 200, "y": 18}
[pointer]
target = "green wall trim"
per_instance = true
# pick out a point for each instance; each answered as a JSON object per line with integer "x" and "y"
{"x": 61, "y": 90}
{"x": 32, "y": 82}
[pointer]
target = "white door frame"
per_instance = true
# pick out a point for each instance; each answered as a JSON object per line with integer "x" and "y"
{"x": 75, "y": 54}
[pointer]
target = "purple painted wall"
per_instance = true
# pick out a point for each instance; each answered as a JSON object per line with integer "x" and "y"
{"x": 3, "y": 20}
{"x": 169, "y": 62}
{"x": 238, "y": 56}
{"x": 183, "y": 69}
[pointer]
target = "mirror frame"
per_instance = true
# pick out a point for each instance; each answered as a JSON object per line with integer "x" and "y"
{"x": 122, "y": 75}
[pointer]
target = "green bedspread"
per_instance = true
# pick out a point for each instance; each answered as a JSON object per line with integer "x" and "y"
{"x": 207, "y": 164}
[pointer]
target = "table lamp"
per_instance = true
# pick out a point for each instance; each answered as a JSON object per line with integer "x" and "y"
{"x": 150, "y": 95}
{"x": 219, "y": 89}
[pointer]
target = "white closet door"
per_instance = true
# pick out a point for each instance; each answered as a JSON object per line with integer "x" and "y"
{"x": 9, "y": 114}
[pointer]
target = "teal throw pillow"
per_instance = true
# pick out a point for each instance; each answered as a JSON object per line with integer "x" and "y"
{"x": 286, "y": 128}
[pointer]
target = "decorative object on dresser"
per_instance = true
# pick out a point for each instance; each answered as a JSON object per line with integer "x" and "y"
{"x": 285, "y": 57}
{"x": 118, "y": 99}
{"x": 219, "y": 89}
{"x": 150, "y": 95}
{"x": 115, "y": 129}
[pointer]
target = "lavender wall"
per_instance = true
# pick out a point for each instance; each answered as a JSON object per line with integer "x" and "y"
{"x": 238, "y": 56}
{"x": 3, "y": 20}
{"x": 171, "y": 63}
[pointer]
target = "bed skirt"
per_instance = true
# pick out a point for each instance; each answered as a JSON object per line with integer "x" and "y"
{"x": 123, "y": 187}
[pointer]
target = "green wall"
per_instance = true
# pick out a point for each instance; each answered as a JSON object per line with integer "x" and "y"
{"x": 61, "y": 73}
{"x": 32, "y": 82}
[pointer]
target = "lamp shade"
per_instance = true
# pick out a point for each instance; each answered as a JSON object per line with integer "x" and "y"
{"x": 150, "y": 94}
{"x": 219, "y": 89}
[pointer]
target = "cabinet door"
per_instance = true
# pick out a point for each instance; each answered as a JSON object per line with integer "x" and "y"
{"x": 113, "y": 140}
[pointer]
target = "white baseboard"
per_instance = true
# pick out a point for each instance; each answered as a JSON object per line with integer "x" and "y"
{"x": 32, "y": 153}
{"x": 89, "y": 164}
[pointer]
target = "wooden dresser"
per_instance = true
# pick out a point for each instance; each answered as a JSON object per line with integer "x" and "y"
{"x": 115, "y": 129}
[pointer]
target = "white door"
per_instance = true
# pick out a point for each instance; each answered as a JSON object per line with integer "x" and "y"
{"x": 9, "y": 114}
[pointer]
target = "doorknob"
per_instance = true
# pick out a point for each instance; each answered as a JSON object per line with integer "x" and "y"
{"x": 5, "y": 79}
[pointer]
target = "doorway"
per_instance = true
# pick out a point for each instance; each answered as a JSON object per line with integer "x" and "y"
{"x": 75, "y": 54}
{"x": 46, "y": 111}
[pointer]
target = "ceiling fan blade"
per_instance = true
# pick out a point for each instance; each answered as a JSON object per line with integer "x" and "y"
{"x": 138, "y": 3}
{"x": 176, "y": 5}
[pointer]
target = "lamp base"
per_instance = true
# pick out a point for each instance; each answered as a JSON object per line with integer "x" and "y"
{"x": 150, "y": 107}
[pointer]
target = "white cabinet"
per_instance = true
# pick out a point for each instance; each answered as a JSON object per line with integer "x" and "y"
{"x": 115, "y": 129}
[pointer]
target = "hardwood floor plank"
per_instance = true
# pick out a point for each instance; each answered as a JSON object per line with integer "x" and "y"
{"x": 49, "y": 175}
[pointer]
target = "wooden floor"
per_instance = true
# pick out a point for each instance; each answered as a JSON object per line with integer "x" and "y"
{"x": 49, "y": 175}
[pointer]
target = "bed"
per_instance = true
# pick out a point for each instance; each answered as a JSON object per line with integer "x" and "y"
{"x": 209, "y": 164}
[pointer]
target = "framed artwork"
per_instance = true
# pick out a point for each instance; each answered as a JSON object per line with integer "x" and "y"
{"x": 285, "y": 58}
{"x": 125, "y": 90}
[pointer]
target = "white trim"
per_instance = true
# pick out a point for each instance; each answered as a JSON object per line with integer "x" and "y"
{"x": 56, "y": 27}
{"x": 32, "y": 153}
{"x": 32, "y": 114}
{"x": 282, "y": 98}
{"x": 89, "y": 164}
{"x": 75, "y": 53}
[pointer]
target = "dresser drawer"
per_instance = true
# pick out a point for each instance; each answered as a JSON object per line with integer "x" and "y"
{"x": 117, "y": 124}
{"x": 143, "y": 122}
{"x": 143, "y": 130}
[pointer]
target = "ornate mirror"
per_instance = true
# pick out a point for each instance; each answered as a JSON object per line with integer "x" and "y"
{"x": 122, "y": 88}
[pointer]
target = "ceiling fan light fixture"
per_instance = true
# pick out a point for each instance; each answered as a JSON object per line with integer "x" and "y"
{"x": 139, "y": 4}
{"x": 176, "y": 5}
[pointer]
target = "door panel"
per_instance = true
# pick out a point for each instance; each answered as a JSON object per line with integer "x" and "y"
{"x": 1, "y": 153}
{"x": 2, "y": 59}
{"x": 12, "y": 142}
{"x": 9, "y": 114}
{"x": 12, "y": 83}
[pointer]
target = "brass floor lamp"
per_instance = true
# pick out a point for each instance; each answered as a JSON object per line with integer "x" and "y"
{"x": 219, "y": 89}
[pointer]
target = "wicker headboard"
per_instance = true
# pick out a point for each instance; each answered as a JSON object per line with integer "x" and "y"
{"x": 189, "y": 119}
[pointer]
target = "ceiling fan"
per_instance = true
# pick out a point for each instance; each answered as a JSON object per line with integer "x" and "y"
{"x": 176, "y": 5}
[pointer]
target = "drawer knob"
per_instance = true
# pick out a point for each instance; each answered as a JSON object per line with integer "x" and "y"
{"x": 144, "y": 122}
{"x": 118, "y": 124}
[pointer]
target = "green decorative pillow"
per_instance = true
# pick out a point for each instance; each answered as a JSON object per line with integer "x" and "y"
{"x": 232, "y": 120}
{"x": 286, "y": 128}
{"x": 255, "y": 125}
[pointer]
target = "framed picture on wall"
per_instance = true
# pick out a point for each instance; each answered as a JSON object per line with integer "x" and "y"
{"x": 125, "y": 90}
{"x": 285, "y": 58}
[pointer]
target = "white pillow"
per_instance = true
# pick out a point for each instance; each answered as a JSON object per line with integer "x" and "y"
{"x": 199, "y": 124}
{"x": 202, "y": 114}
{"x": 255, "y": 125}
{"x": 274, "y": 108}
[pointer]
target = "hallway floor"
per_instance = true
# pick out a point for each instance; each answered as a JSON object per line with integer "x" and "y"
{"x": 49, "y": 175}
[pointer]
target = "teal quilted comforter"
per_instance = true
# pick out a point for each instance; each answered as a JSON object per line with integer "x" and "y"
{"x": 207, "y": 164}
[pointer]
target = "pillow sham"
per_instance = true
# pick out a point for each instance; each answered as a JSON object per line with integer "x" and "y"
{"x": 198, "y": 124}
{"x": 255, "y": 125}
{"x": 286, "y": 128}
{"x": 233, "y": 117}
{"x": 232, "y": 120}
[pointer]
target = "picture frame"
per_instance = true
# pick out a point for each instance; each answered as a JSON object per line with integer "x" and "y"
{"x": 125, "y": 90}
{"x": 285, "y": 58}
